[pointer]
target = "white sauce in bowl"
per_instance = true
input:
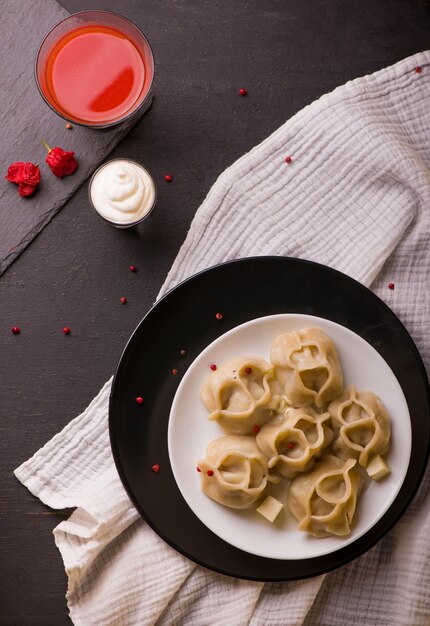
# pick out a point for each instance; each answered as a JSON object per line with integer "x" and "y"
{"x": 122, "y": 192}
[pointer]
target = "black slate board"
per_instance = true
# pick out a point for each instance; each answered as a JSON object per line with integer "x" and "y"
{"x": 25, "y": 119}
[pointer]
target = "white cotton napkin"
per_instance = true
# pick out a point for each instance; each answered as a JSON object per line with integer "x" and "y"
{"x": 356, "y": 197}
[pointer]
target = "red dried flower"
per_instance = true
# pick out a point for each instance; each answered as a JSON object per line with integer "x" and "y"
{"x": 62, "y": 162}
{"x": 14, "y": 172}
{"x": 25, "y": 175}
{"x": 25, "y": 190}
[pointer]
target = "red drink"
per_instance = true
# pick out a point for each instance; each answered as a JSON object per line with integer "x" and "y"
{"x": 95, "y": 73}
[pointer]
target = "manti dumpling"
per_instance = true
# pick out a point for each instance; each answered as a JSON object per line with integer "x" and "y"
{"x": 324, "y": 499}
{"x": 307, "y": 368}
{"x": 364, "y": 425}
{"x": 237, "y": 469}
{"x": 238, "y": 394}
{"x": 291, "y": 441}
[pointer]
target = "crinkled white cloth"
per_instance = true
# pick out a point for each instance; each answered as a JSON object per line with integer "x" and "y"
{"x": 356, "y": 196}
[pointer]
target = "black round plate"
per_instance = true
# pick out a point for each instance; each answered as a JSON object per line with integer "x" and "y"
{"x": 184, "y": 319}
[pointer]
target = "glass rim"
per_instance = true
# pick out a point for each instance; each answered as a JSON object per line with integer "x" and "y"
{"x": 122, "y": 225}
{"x": 82, "y": 123}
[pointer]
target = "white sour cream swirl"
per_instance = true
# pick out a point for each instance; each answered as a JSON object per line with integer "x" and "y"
{"x": 122, "y": 192}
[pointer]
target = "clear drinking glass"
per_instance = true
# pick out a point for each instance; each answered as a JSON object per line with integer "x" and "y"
{"x": 96, "y": 69}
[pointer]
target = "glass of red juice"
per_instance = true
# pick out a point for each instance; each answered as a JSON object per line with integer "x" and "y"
{"x": 95, "y": 68}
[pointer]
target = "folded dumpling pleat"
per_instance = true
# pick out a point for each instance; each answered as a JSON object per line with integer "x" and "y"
{"x": 363, "y": 423}
{"x": 293, "y": 440}
{"x": 238, "y": 394}
{"x": 234, "y": 472}
{"x": 324, "y": 499}
{"x": 307, "y": 367}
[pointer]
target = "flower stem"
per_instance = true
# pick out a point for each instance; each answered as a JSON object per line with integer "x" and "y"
{"x": 46, "y": 145}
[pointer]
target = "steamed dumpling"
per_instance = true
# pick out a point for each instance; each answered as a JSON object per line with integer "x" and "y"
{"x": 364, "y": 425}
{"x": 239, "y": 469}
{"x": 292, "y": 441}
{"x": 307, "y": 368}
{"x": 324, "y": 499}
{"x": 238, "y": 394}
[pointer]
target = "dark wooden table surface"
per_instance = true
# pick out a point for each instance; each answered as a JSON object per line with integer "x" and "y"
{"x": 286, "y": 53}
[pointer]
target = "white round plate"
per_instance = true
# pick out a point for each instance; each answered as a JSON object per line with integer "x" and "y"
{"x": 189, "y": 433}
